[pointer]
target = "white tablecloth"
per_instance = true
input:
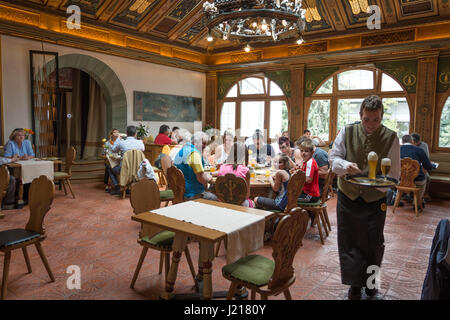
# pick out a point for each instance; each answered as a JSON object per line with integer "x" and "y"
{"x": 245, "y": 231}
{"x": 31, "y": 169}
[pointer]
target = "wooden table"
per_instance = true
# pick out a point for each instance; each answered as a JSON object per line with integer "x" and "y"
{"x": 16, "y": 167}
{"x": 206, "y": 237}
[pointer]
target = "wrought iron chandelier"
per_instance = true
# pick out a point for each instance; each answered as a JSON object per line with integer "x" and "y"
{"x": 247, "y": 21}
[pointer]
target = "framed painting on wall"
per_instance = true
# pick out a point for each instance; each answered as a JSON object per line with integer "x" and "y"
{"x": 166, "y": 108}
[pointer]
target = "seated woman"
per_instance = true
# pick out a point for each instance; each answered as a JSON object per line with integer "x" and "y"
{"x": 279, "y": 184}
{"x": 237, "y": 164}
{"x": 19, "y": 146}
{"x": 222, "y": 151}
{"x": 114, "y": 138}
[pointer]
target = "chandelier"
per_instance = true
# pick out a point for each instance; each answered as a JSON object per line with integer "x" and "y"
{"x": 246, "y": 21}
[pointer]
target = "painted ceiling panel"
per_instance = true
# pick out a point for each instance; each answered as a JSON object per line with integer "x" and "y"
{"x": 135, "y": 12}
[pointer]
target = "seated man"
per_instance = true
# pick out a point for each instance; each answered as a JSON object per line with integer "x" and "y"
{"x": 424, "y": 146}
{"x": 263, "y": 152}
{"x": 190, "y": 161}
{"x": 408, "y": 150}
{"x": 130, "y": 143}
{"x": 8, "y": 201}
{"x": 163, "y": 136}
{"x": 321, "y": 157}
{"x": 286, "y": 149}
{"x": 316, "y": 140}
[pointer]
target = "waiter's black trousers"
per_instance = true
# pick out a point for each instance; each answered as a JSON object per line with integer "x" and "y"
{"x": 360, "y": 237}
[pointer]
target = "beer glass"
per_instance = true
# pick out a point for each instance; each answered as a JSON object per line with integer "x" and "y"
{"x": 372, "y": 160}
{"x": 385, "y": 167}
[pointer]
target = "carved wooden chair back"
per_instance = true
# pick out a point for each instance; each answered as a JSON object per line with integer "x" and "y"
{"x": 285, "y": 243}
{"x": 325, "y": 196}
{"x": 294, "y": 189}
{"x": 409, "y": 171}
{"x": 231, "y": 189}
{"x": 70, "y": 158}
{"x": 41, "y": 194}
{"x": 144, "y": 196}
{"x": 175, "y": 179}
{"x": 4, "y": 182}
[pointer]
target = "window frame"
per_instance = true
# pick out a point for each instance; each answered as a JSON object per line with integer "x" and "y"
{"x": 266, "y": 97}
{"x": 337, "y": 95}
{"x": 442, "y": 99}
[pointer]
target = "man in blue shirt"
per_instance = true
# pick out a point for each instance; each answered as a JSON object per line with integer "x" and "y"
{"x": 408, "y": 150}
{"x": 263, "y": 152}
{"x": 130, "y": 143}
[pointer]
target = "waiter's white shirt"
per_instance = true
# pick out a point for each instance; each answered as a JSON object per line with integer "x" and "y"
{"x": 338, "y": 153}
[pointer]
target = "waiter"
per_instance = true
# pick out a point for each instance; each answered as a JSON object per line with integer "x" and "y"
{"x": 361, "y": 211}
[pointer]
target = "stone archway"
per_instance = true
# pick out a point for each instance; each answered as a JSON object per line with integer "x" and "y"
{"x": 113, "y": 91}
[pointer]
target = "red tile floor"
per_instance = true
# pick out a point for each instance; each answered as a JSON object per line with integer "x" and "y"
{"x": 95, "y": 232}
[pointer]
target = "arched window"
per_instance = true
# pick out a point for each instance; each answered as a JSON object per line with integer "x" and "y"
{"x": 254, "y": 103}
{"x": 337, "y": 102}
{"x": 444, "y": 130}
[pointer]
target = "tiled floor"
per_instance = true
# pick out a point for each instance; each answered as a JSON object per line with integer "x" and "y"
{"x": 96, "y": 233}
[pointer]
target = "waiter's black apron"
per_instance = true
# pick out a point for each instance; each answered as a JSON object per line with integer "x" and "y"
{"x": 360, "y": 237}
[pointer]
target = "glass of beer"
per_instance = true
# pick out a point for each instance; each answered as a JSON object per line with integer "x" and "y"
{"x": 372, "y": 159}
{"x": 385, "y": 167}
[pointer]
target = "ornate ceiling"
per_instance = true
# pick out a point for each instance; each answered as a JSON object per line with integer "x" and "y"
{"x": 181, "y": 22}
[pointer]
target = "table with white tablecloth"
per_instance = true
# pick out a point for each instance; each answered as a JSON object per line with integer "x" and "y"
{"x": 208, "y": 222}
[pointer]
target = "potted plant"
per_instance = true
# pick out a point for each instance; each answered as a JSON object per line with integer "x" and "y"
{"x": 142, "y": 131}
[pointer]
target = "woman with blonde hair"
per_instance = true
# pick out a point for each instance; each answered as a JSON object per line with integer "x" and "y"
{"x": 18, "y": 145}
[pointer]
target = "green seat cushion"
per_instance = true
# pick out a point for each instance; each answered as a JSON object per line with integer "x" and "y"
{"x": 275, "y": 211}
{"x": 309, "y": 204}
{"x": 166, "y": 194}
{"x": 162, "y": 239}
{"x": 60, "y": 175}
{"x": 254, "y": 269}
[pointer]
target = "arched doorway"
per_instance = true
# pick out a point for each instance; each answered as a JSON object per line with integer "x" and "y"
{"x": 109, "y": 84}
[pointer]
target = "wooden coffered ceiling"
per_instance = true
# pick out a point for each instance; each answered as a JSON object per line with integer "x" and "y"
{"x": 160, "y": 26}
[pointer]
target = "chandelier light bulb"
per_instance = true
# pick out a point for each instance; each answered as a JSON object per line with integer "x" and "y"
{"x": 264, "y": 25}
{"x": 247, "y": 48}
{"x": 209, "y": 38}
{"x": 300, "y": 40}
{"x": 254, "y": 24}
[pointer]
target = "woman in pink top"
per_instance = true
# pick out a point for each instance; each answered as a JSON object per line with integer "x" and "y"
{"x": 236, "y": 164}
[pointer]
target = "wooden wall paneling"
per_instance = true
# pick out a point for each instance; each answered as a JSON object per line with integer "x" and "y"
{"x": 2, "y": 127}
{"x": 211, "y": 110}
{"x": 297, "y": 102}
{"x": 426, "y": 97}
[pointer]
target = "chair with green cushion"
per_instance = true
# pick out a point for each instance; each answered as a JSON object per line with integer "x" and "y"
{"x": 176, "y": 183}
{"x": 263, "y": 275}
{"x": 294, "y": 189}
{"x": 319, "y": 208}
{"x": 144, "y": 196}
{"x": 64, "y": 176}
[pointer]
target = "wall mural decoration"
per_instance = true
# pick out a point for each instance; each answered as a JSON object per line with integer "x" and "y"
{"x": 224, "y": 83}
{"x": 164, "y": 107}
{"x": 315, "y": 76}
{"x": 443, "y": 76}
{"x": 282, "y": 79}
{"x": 403, "y": 71}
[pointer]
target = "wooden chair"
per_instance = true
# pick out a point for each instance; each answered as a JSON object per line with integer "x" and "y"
{"x": 4, "y": 183}
{"x": 319, "y": 208}
{"x": 41, "y": 195}
{"x": 65, "y": 175}
{"x": 130, "y": 165}
{"x": 144, "y": 196}
{"x": 409, "y": 170}
{"x": 230, "y": 189}
{"x": 271, "y": 277}
{"x": 175, "y": 179}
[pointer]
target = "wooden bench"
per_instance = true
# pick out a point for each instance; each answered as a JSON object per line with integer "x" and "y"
{"x": 440, "y": 177}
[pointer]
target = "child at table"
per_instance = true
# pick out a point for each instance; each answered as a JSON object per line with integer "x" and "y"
{"x": 310, "y": 192}
{"x": 279, "y": 184}
{"x": 237, "y": 164}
